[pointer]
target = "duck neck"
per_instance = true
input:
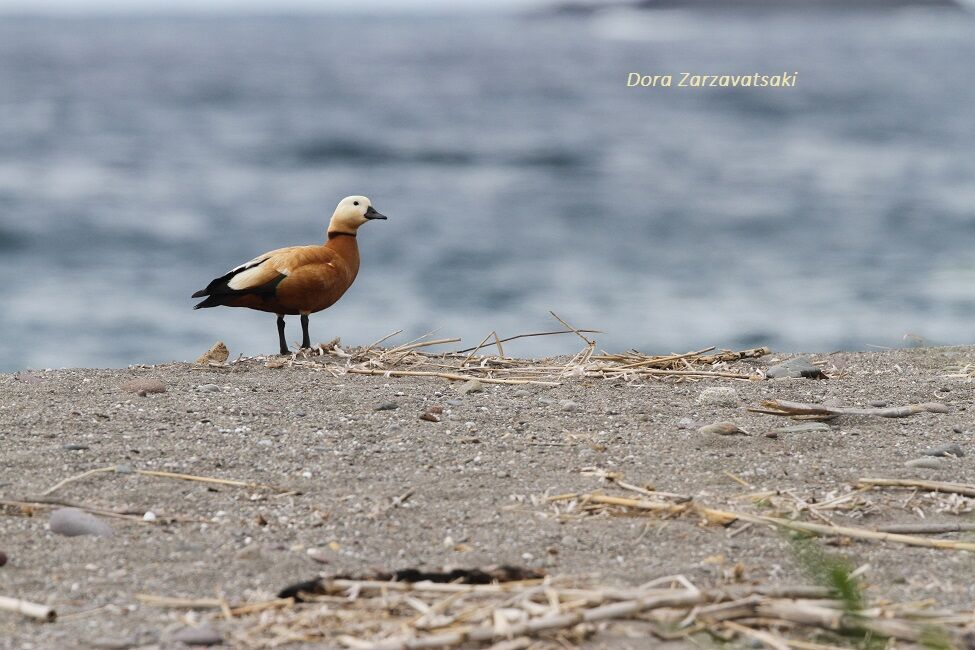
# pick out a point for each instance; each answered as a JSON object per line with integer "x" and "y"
{"x": 344, "y": 245}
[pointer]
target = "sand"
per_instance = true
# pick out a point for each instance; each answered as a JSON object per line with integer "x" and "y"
{"x": 468, "y": 482}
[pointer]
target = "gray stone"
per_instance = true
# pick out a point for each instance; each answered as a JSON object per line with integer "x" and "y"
{"x": 686, "y": 423}
{"x": 945, "y": 450}
{"x": 203, "y": 635}
{"x": 718, "y": 396}
{"x": 797, "y": 367}
{"x": 75, "y": 447}
{"x": 208, "y": 388}
{"x": 72, "y": 522}
{"x": 387, "y": 406}
{"x": 569, "y": 405}
{"x": 143, "y": 387}
{"x": 124, "y": 468}
{"x": 471, "y": 386}
{"x": 521, "y": 393}
{"x": 927, "y": 463}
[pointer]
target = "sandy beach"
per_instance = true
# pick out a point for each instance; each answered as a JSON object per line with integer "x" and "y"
{"x": 353, "y": 480}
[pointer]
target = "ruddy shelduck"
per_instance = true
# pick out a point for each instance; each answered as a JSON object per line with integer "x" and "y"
{"x": 298, "y": 280}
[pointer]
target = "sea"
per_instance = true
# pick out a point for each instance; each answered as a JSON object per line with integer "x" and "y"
{"x": 142, "y": 156}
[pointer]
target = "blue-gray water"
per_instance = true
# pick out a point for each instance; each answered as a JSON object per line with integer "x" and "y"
{"x": 139, "y": 158}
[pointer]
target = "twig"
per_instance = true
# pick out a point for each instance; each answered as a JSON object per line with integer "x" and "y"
{"x": 72, "y": 479}
{"x": 589, "y": 342}
{"x": 161, "y": 474}
{"x": 27, "y": 608}
{"x": 446, "y": 375}
{"x": 820, "y": 411}
{"x": 725, "y": 517}
{"x": 378, "y": 341}
{"x": 524, "y": 336}
{"x": 934, "y": 486}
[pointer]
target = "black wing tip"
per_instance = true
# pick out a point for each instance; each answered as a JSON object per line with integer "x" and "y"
{"x": 199, "y": 294}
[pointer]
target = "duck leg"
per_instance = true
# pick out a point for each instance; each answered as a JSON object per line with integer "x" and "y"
{"x": 305, "y": 340}
{"x": 281, "y": 341}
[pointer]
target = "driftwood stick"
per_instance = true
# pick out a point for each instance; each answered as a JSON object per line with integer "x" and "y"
{"x": 27, "y": 608}
{"x": 782, "y": 407}
{"x": 964, "y": 489}
{"x": 446, "y": 375}
{"x": 926, "y": 529}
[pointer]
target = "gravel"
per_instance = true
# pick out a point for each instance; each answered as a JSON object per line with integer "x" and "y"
{"x": 349, "y": 470}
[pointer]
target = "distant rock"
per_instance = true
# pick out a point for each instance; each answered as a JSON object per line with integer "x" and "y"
{"x": 72, "y": 522}
{"x": 797, "y": 367}
{"x": 217, "y": 354}
{"x": 199, "y": 636}
{"x": 945, "y": 450}
{"x": 387, "y": 406}
{"x": 718, "y": 396}
{"x": 722, "y": 429}
{"x": 143, "y": 387}
{"x": 927, "y": 463}
{"x": 471, "y": 386}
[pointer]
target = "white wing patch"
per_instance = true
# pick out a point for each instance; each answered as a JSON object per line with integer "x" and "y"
{"x": 253, "y": 271}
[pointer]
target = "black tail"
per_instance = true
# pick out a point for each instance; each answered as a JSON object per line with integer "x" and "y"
{"x": 219, "y": 293}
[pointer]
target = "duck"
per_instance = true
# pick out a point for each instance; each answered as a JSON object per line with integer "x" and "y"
{"x": 297, "y": 280}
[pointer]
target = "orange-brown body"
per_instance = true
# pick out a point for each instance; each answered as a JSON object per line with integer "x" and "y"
{"x": 317, "y": 277}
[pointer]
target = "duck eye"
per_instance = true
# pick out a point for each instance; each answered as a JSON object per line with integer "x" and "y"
{"x": 355, "y": 203}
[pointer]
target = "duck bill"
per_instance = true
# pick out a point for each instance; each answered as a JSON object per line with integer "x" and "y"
{"x": 372, "y": 214}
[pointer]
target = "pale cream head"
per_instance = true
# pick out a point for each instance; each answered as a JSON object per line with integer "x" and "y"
{"x": 352, "y": 212}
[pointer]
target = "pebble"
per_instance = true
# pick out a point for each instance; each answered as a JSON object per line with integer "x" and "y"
{"x": 143, "y": 387}
{"x": 686, "y": 423}
{"x": 429, "y": 416}
{"x": 124, "y": 468}
{"x": 265, "y": 442}
{"x": 521, "y": 393}
{"x": 208, "y": 388}
{"x": 718, "y": 396}
{"x": 72, "y": 522}
{"x": 203, "y": 635}
{"x": 722, "y": 429}
{"x": 569, "y": 405}
{"x": 878, "y": 403}
{"x": 797, "y": 367}
{"x": 471, "y": 386}
{"x": 149, "y": 516}
{"x": 455, "y": 402}
{"x": 3, "y": 558}
{"x": 945, "y": 450}
{"x": 387, "y": 406}
{"x": 927, "y": 463}
{"x": 75, "y": 447}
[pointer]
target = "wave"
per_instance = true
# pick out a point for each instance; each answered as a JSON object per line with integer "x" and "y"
{"x": 344, "y": 151}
